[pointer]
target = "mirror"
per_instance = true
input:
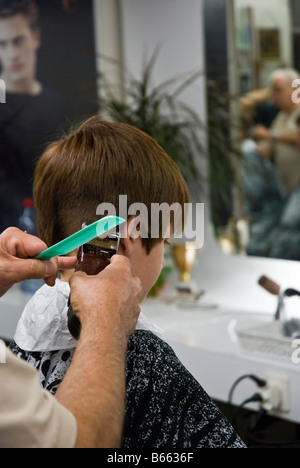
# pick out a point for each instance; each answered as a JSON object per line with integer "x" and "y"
{"x": 50, "y": 81}
{"x": 254, "y": 125}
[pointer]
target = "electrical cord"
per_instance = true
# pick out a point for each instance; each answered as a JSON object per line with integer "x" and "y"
{"x": 251, "y": 433}
{"x": 256, "y": 397}
{"x": 259, "y": 382}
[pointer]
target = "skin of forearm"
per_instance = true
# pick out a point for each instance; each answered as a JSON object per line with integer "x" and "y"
{"x": 290, "y": 138}
{"x": 94, "y": 388}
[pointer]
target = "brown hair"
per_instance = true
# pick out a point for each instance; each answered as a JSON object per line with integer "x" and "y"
{"x": 95, "y": 164}
{"x": 27, "y": 8}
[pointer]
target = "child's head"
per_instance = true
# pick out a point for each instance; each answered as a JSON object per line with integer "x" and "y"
{"x": 95, "y": 164}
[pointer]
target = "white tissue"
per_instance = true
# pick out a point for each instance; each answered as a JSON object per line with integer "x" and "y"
{"x": 43, "y": 325}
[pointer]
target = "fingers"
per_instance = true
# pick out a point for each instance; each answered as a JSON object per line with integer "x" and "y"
{"x": 14, "y": 270}
{"x": 20, "y": 244}
{"x": 16, "y": 263}
{"x": 120, "y": 260}
{"x": 112, "y": 296}
{"x": 123, "y": 264}
{"x": 54, "y": 265}
{"x": 74, "y": 278}
{"x": 66, "y": 263}
{"x": 23, "y": 269}
{"x": 35, "y": 269}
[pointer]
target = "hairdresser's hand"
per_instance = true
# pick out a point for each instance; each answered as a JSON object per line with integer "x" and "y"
{"x": 108, "y": 301}
{"x": 16, "y": 263}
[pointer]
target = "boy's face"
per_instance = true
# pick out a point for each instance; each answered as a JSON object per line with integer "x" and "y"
{"x": 18, "y": 50}
{"x": 146, "y": 267}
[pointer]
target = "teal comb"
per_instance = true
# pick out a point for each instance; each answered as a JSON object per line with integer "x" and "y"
{"x": 81, "y": 237}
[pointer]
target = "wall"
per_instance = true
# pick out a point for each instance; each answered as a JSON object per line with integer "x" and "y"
{"x": 129, "y": 31}
{"x": 174, "y": 26}
{"x": 272, "y": 14}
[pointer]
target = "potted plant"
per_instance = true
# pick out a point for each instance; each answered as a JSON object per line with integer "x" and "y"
{"x": 158, "y": 111}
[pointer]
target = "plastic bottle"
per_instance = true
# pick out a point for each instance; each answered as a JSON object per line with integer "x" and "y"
{"x": 27, "y": 222}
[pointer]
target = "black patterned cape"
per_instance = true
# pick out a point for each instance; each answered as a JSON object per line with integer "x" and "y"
{"x": 165, "y": 406}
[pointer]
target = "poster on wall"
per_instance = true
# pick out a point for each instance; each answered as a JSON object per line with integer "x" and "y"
{"x": 269, "y": 42}
{"x": 48, "y": 67}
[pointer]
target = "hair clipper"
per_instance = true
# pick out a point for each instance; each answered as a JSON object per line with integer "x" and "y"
{"x": 92, "y": 258}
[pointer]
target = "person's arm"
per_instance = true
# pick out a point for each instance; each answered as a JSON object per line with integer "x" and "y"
{"x": 250, "y": 101}
{"x": 94, "y": 386}
{"x": 262, "y": 133}
{"x": 30, "y": 417}
{"x": 290, "y": 138}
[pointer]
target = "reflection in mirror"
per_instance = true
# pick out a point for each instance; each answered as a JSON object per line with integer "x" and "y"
{"x": 48, "y": 82}
{"x": 253, "y": 88}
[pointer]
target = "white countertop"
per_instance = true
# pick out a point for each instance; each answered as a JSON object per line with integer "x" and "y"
{"x": 208, "y": 344}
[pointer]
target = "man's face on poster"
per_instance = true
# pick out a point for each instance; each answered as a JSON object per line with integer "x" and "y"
{"x": 18, "y": 50}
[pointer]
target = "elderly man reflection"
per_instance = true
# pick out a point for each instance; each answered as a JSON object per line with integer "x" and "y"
{"x": 271, "y": 176}
{"x": 280, "y": 142}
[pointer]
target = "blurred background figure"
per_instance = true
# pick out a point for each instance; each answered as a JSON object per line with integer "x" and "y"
{"x": 271, "y": 173}
{"x": 280, "y": 141}
{"x": 258, "y": 108}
